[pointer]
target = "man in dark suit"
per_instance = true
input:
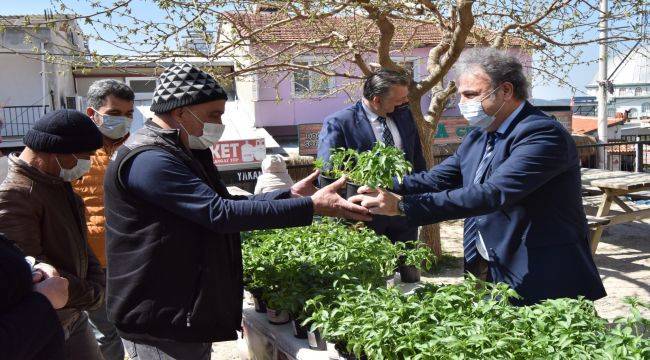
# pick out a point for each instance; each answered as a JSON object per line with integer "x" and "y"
{"x": 382, "y": 115}
{"x": 516, "y": 180}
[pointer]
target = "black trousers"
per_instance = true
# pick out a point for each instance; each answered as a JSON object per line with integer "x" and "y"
{"x": 480, "y": 268}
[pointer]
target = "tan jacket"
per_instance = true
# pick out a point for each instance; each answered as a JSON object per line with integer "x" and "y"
{"x": 45, "y": 218}
{"x": 91, "y": 189}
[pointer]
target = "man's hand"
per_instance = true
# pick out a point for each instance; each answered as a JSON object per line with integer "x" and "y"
{"x": 328, "y": 202}
{"x": 305, "y": 187}
{"x": 55, "y": 289}
{"x": 43, "y": 271}
{"x": 377, "y": 201}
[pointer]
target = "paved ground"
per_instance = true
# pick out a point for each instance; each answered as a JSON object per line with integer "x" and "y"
{"x": 623, "y": 260}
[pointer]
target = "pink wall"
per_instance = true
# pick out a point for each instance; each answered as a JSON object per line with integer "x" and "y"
{"x": 280, "y": 108}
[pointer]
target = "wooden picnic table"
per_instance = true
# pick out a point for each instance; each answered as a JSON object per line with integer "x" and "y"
{"x": 613, "y": 185}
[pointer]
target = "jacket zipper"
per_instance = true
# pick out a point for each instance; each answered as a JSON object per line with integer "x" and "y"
{"x": 195, "y": 293}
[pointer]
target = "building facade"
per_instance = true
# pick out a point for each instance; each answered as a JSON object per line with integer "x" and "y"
{"x": 36, "y": 72}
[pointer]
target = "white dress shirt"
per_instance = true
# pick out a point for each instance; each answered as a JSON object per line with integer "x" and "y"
{"x": 378, "y": 128}
{"x": 480, "y": 245}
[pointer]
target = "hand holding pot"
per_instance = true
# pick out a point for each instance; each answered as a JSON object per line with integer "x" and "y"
{"x": 305, "y": 187}
{"x": 378, "y": 201}
{"x": 328, "y": 202}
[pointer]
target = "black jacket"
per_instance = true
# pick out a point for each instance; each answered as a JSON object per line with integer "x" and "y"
{"x": 173, "y": 247}
{"x": 29, "y": 326}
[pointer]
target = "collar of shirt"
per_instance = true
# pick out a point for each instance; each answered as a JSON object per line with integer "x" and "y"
{"x": 372, "y": 117}
{"x": 504, "y": 125}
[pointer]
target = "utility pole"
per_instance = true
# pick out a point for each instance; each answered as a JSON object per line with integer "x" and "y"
{"x": 602, "y": 81}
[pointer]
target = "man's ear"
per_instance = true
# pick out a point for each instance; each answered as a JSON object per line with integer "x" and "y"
{"x": 90, "y": 112}
{"x": 508, "y": 90}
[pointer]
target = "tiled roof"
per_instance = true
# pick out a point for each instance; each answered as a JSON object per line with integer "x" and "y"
{"x": 357, "y": 27}
{"x": 587, "y": 124}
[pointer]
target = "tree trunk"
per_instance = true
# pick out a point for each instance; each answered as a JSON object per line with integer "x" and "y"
{"x": 429, "y": 234}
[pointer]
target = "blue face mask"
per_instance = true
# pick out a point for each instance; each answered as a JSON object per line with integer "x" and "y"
{"x": 475, "y": 114}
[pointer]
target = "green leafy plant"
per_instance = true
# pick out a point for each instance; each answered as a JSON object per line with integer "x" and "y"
{"x": 378, "y": 166}
{"x": 472, "y": 320}
{"x": 415, "y": 253}
{"x": 341, "y": 162}
{"x": 294, "y": 265}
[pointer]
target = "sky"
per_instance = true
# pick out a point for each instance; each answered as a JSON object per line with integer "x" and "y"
{"x": 579, "y": 75}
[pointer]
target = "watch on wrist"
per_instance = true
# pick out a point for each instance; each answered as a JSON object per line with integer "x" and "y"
{"x": 400, "y": 207}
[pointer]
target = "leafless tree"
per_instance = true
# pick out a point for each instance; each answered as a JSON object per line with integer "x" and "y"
{"x": 351, "y": 34}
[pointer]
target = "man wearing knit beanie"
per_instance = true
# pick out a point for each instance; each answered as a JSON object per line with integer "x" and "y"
{"x": 172, "y": 228}
{"x": 42, "y": 214}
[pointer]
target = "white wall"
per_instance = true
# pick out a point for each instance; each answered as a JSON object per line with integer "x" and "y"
{"x": 20, "y": 81}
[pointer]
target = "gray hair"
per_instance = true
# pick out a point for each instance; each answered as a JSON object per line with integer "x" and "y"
{"x": 498, "y": 65}
{"x": 379, "y": 83}
{"x": 101, "y": 89}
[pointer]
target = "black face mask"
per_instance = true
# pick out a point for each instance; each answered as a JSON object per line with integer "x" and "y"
{"x": 401, "y": 107}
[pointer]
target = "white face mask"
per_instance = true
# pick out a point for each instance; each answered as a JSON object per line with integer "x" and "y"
{"x": 79, "y": 170}
{"x": 211, "y": 134}
{"x": 114, "y": 127}
{"x": 475, "y": 114}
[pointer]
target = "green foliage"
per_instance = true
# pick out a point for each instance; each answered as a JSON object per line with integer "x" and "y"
{"x": 417, "y": 254}
{"x": 472, "y": 320}
{"x": 341, "y": 162}
{"x": 375, "y": 168}
{"x": 378, "y": 167}
{"x": 297, "y": 264}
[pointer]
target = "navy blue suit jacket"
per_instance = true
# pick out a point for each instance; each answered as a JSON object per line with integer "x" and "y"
{"x": 350, "y": 128}
{"x": 528, "y": 208}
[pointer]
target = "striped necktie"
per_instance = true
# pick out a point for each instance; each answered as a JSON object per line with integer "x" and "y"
{"x": 386, "y": 135}
{"x": 471, "y": 229}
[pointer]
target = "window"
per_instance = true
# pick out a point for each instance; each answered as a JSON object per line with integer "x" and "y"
{"x": 645, "y": 109}
{"x": 410, "y": 65}
{"x": 638, "y": 91}
{"x": 143, "y": 87}
{"x": 611, "y": 112}
{"x": 307, "y": 82}
{"x": 15, "y": 39}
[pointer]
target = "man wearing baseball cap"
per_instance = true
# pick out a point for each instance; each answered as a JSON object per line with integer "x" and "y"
{"x": 172, "y": 229}
{"x": 40, "y": 212}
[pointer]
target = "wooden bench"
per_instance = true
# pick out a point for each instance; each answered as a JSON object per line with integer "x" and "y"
{"x": 615, "y": 186}
{"x": 595, "y": 221}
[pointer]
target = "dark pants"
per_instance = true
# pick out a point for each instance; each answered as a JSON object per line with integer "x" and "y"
{"x": 394, "y": 227}
{"x": 168, "y": 350}
{"x": 80, "y": 342}
{"x": 480, "y": 268}
{"x": 110, "y": 343}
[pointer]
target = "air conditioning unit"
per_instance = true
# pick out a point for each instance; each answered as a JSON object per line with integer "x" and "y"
{"x": 71, "y": 102}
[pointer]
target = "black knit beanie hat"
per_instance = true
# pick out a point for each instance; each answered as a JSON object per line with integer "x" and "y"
{"x": 64, "y": 132}
{"x": 183, "y": 85}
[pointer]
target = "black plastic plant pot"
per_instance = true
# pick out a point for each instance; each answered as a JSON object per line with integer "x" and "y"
{"x": 299, "y": 331}
{"x": 343, "y": 353}
{"x": 325, "y": 180}
{"x": 351, "y": 189}
{"x": 260, "y": 305}
{"x": 277, "y": 317}
{"x": 409, "y": 273}
{"x": 316, "y": 342}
